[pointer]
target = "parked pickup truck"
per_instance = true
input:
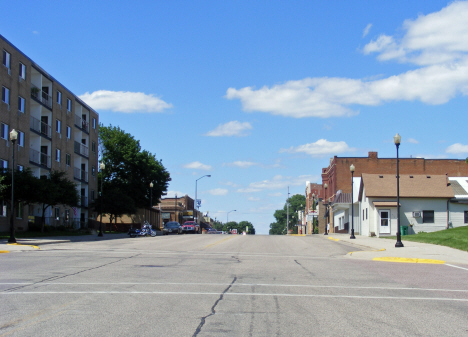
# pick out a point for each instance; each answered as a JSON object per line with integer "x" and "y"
{"x": 191, "y": 227}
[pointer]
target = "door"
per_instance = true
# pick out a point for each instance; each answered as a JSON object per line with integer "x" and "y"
{"x": 44, "y": 155}
{"x": 384, "y": 221}
{"x": 44, "y": 125}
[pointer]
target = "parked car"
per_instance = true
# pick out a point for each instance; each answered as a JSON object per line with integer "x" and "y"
{"x": 191, "y": 227}
{"x": 211, "y": 231}
{"x": 172, "y": 227}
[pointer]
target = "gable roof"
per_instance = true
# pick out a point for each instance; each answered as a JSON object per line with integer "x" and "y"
{"x": 411, "y": 186}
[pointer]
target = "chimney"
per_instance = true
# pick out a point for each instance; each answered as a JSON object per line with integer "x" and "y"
{"x": 372, "y": 155}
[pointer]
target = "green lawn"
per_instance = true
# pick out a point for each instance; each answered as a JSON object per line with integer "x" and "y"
{"x": 453, "y": 237}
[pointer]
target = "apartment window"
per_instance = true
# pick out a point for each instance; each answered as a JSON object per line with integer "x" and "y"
{"x": 94, "y": 123}
{"x": 6, "y": 95}
{"x": 363, "y": 215}
{"x": 466, "y": 216}
{"x": 68, "y": 104}
{"x": 3, "y": 165}
{"x": 366, "y": 213}
{"x": 93, "y": 196}
{"x": 20, "y": 104}
{"x": 59, "y": 97}
{"x": 58, "y": 125}
{"x": 6, "y": 60}
{"x": 93, "y": 171}
{"x": 4, "y": 131}
{"x": 19, "y": 210}
{"x": 68, "y": 159}
{"x": 22, "y": 71}
{"x": 3, "y": 208}
{"x": 57, "y": 155}
{"x": 20, "y": 138}
{"x": 57, "y": 213}
{"x": 428, "y": 216}
{"x": 93, "y": 147}
{"x": 68, "y": 132}
{"x": 20, "y": 168}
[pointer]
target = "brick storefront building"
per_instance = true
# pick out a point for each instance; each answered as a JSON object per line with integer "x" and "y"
{"x": 337, "y": 175}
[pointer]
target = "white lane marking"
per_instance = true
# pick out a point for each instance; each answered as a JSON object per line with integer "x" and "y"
{"x": 75, "y": 251}
{"x": 226, "y": 284}
{"x": 233, "y": 294}
{"x": 451, "y": 265}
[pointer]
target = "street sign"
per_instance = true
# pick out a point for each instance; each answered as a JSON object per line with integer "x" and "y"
{"x": 198, "y": 202}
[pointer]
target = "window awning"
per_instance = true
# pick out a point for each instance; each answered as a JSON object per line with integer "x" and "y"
{"x": 385, "y": 204}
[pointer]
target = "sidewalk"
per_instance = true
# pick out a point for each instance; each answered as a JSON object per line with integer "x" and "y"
{"x": 368, "y": 248}
{"x": 24, "y": 244}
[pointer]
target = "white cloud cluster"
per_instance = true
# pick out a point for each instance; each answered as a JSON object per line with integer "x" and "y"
{"x": 242, "y": 164}
{"x": 321, "y": 147}
{"x": 367, "y": 30}
{"x": 218, "y": 191}
{"x": 124, "y": 101}
{"x": 457, "y": 148}
{"x": 278, "y": 182}
{"x": 196, "y": 165}
{"x": 230, "y": 129}
{"x": 437, "y": 43}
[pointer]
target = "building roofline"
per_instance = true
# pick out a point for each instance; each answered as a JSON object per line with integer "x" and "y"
{"x": 46, "y": 74}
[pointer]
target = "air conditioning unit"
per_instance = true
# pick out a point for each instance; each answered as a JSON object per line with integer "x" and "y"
{"x": 417, "y": 214}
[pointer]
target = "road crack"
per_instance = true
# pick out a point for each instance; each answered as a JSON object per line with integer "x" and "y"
{"x": 213, "y": 311}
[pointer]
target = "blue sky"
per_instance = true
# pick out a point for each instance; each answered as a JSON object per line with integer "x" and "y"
{"x": 260, "y": 95}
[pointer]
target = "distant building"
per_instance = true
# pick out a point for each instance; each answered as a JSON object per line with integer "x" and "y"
{"x": 56, "y": 131}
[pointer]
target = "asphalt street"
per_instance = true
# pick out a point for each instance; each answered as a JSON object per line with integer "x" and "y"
{"x": 225, "y": 285}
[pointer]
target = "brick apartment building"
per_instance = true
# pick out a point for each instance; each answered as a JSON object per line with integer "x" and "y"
{"x": 56, "y": 131}
{"x": 337, "y": 175}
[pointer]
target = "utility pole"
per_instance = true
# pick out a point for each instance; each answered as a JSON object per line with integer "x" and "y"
{"x": 287, "y": 214}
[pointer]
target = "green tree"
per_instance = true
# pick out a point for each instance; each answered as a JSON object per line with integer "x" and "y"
{"x": 130, "y": 169}
{"x": 218, "y": 225}
{"x": 56, "y": 189}
{"x": 27, "y": 189}
{"x": 296, "y": 203}
{"x": 243, "y": 227}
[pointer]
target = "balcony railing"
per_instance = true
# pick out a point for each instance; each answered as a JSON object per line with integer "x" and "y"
{"x": 80, "y": 174}
{"x": 84, "y": 201}
{"x": 40, "y": 127}
{"x": 41, "y": 96}
{"x": 81, "y": 123}
{"x": 81, "y": 149}
{"x": 39, "y": 158}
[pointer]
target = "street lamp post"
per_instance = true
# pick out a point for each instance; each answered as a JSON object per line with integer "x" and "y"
{"x": 227, "y": 215}
{"x": 397, "y": 140}
{"x": 151, "y": 202}
{"x": 326, "y": 209}
{"x": 175, "y": 208}
{"x": 11, "y": 239}
{"x": 102, "y": 166}
{"x": 313, "y": 216}
{"x": 195, "y": 208}
{"x": 351, "y": 168}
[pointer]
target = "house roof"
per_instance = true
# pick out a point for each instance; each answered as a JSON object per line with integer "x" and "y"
{"x": 411, "y": 186}
{"x": 459, "y": 186}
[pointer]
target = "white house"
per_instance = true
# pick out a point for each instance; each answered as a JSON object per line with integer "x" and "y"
{"x": 426, "y": 204}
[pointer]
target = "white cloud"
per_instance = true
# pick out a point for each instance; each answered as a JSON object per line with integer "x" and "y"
{"x": 412, "y": 141}
{"x": 437, "y": 43}
{"x": 35, "y": 32}
{"x": 253, "y": 199}
{"x": 230, "y": 129}
{"x": 218, "y": 191}
{"x": 457, "y": 148}
{"x": 438, "y": 37}
{"x": 278, "y": 182}
{"x": 124, "y": 101}
{"x": 367, "y": 30}
{"x": 321, "y": 147}
{"x": 196, "y": 165}
{"x": 242, "y": 164}
{"x": 277, "y": 194}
